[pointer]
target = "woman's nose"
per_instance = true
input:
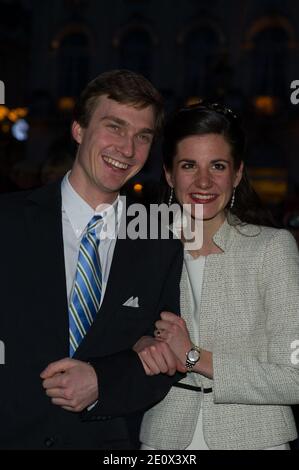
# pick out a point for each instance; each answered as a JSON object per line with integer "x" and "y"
{"x": 203, "y": 179}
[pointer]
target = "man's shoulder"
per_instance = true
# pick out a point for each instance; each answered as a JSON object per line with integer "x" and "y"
{"x": 14, "y": 200}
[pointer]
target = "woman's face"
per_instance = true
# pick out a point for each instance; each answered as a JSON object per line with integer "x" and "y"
{"x": 203, "y": 173}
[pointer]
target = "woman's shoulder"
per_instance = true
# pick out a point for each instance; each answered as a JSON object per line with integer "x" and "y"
{"x": 262, "y": 235}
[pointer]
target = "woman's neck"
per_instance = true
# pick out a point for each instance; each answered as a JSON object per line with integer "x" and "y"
{"x": 210, "y": 227}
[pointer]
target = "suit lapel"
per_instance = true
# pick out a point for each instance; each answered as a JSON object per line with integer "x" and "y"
{"x": 123, "y": 283}
{"x": 124, "y": 271}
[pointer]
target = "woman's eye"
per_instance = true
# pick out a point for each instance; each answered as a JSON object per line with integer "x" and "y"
{"x": 219, "y": 166}
{"x": 145, "y": 138}
{"x": 187, "y": 166}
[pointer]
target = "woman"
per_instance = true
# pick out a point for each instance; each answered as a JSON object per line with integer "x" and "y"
{"x": 239, "y": 330}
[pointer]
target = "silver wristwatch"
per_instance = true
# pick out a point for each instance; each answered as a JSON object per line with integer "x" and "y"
{"x": 192, "y": 357}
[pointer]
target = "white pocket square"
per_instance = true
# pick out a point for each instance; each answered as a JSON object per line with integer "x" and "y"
{"x": 132, "y": 302}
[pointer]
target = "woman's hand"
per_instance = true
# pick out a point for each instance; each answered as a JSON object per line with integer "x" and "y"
{"x": 173, "y": 330}
{"x": 157, "y": 357}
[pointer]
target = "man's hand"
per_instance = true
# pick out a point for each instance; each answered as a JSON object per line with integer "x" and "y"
{"x": 71, "y": 384}
{"x": 157, "y": 357}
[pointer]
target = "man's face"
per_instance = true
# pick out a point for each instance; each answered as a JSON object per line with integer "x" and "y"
{"x": 112, "y": 149}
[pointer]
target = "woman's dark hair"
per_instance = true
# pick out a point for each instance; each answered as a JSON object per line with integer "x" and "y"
{"x": 211, "y": 118}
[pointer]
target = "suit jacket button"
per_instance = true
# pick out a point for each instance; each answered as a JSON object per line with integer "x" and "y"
{"x": 49, "y": 441}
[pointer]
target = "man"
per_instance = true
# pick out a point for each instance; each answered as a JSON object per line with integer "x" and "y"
{"x": 70, "y": 380}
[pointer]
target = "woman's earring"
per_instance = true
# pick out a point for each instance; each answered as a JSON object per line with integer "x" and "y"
{"x": 170, "y": 197}
{"x": 232, "y": 199}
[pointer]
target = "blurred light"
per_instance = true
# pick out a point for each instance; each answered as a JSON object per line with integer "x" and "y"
{"x": 21, "y": 112}
{"x": 138, "y": 187}
{"x": 66, "y": 103}
{"x": 265, "y": 105}
{"x": 12, "y": 116}
{"x": 193, "y": 100}
{"x": 20, "y": 130}
{"x": 3, "y": 112}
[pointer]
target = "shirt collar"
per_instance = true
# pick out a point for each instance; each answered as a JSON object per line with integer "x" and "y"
{"x": 79, "y": 212}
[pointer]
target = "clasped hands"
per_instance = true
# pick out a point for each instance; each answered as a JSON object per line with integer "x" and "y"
{"x": 73, "y": 384}
{"x": 166, "y": 352}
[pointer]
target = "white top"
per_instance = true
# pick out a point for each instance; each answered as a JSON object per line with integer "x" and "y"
{"x": 76, "y": 214}
{"x": 195, "y": 270}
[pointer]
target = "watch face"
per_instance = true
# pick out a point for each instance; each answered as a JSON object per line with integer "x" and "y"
{"x": 193, "y": 355}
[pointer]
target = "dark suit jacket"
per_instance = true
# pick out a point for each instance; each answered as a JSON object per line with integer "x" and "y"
{"x": 34, "y": 328}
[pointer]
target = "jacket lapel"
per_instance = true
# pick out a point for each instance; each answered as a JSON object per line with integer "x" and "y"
{"x": 122, "y": 284}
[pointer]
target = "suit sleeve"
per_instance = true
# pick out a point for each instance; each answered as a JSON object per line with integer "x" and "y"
{"x": 240, "y": 376}
{"x": 123, "y": 385}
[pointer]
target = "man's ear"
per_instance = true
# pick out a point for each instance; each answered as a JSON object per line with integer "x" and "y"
{"x": 77, "y": 132}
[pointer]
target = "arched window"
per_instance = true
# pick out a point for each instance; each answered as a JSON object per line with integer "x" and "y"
{"x": 200, "y": 56}
{"x": 136, "y": 51}
{"x": 73, "y": 64}
{"x": 268, "y": 43}
{"x": 269, "y": 62}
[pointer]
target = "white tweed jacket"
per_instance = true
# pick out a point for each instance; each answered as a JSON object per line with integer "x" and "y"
{"x": 249, "y": 319}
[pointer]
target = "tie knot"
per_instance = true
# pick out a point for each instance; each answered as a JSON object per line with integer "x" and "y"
{"x": 93, "y": 224}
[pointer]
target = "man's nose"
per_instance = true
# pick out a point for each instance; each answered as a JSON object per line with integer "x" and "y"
{"x": 127, "y": 146}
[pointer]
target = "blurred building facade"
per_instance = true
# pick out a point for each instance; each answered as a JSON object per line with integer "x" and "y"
{"x": 245, "y": 54}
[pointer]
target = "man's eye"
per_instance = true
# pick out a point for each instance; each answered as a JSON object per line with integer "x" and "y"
{"x": 114, "y": 127}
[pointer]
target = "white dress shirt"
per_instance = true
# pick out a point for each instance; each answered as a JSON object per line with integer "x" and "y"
{"x": 76, "y": 214}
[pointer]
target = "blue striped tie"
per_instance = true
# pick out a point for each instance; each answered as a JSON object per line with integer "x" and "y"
{"x": 87, "y": 290}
